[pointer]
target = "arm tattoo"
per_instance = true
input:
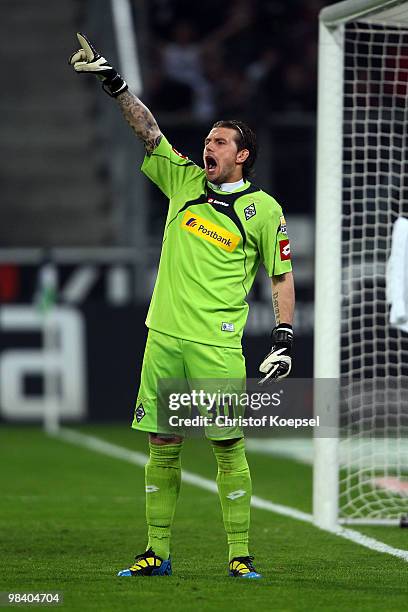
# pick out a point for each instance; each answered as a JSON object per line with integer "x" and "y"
{"x": 140, "y": 120}
{"x": 275, "y": 297}
{"x": 275, "y": 303}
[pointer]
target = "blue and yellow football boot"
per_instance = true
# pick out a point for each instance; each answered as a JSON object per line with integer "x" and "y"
{"x": 148, "y": 564}
{"x": 242, "y": 567}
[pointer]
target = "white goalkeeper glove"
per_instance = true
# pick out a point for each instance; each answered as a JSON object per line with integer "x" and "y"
{"x": 278, "y": 363}
{"x": 88, "y": 60}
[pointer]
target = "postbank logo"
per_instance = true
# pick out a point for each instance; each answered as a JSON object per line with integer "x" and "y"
{"x": 217, "y": 235}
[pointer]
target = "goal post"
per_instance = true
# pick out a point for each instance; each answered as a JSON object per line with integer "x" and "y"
{"x": 357, "y": 10}
{"x": 359, "y": 471}
{"x": 328, "y": 273}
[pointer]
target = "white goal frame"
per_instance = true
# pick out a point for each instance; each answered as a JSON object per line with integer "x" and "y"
{"x": 328, "y": 224}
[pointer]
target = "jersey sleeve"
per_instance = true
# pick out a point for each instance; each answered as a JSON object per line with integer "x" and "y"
{"x": 274, "y": 245}
{"x": 168, "y": 168}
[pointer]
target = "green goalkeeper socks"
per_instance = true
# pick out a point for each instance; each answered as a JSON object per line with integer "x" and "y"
{"x": 162, "y": 477}
{"x": 235, "y": 489}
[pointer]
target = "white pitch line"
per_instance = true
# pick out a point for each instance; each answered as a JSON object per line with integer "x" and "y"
{"x": 119, "y": 452}
{"x": 265, "y": 504}
{"x": 360, "y": 538}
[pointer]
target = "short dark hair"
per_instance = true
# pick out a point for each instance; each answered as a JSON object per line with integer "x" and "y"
{"x": 246, "y": 139}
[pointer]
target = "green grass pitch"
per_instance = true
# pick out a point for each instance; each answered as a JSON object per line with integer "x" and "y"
{"x": 70, "y": 518}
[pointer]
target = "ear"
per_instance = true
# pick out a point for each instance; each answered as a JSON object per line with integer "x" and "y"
{"x": 242, "y": 156}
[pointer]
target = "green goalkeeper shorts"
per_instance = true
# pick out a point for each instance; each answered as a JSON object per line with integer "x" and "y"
{"x": 181, "y": 365}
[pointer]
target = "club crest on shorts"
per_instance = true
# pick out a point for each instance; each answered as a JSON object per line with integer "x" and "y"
{"x": 139, "y": 413}
{"x": 250, "y": 211}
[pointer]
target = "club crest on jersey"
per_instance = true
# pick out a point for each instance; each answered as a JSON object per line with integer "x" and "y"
{"x": 210, "y": 232}
{"x": 284, "y": 247}
{"x": 283, "y": 228}
{"x": 139, "y": 413}
{"x": 212, "y": 201}
{"x": 250, "y": 211}
{"x": 178, "y": 153}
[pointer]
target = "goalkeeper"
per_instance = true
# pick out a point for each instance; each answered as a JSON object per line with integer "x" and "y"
{"x": 219, "y": 228}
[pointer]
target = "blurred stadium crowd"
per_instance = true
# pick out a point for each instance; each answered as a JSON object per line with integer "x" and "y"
{"x": 68, "y": 177}
{"x": 235, "y": 58}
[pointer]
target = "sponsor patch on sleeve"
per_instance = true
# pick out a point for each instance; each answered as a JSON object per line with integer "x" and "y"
{"x": 284, "y": 247}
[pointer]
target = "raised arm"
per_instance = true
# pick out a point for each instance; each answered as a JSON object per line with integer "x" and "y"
{"x": 140, "y": 120}
{"x": 87, "y": 60}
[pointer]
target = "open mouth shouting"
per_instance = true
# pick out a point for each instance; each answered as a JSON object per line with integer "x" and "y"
{"x": 211, "y": 165}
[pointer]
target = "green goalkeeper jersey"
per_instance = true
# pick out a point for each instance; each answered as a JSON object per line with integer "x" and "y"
{"x": 212, "y": 246}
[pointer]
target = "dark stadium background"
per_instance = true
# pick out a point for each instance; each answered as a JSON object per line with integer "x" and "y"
{"x": 72, "y": 193}
{"x": 81, "y": 227}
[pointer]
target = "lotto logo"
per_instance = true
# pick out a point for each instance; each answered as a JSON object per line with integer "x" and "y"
{"x": 151, "y": 488}
{"x": 236, "y": 494}
{"x": 212, "y": 201}
{"x": 284, "y": 247}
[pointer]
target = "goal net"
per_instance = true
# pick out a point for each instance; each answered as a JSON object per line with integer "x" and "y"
{"x": 364, "y": 59}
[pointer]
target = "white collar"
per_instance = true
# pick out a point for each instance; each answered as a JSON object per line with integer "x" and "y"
{"x": 228, "y": 187}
